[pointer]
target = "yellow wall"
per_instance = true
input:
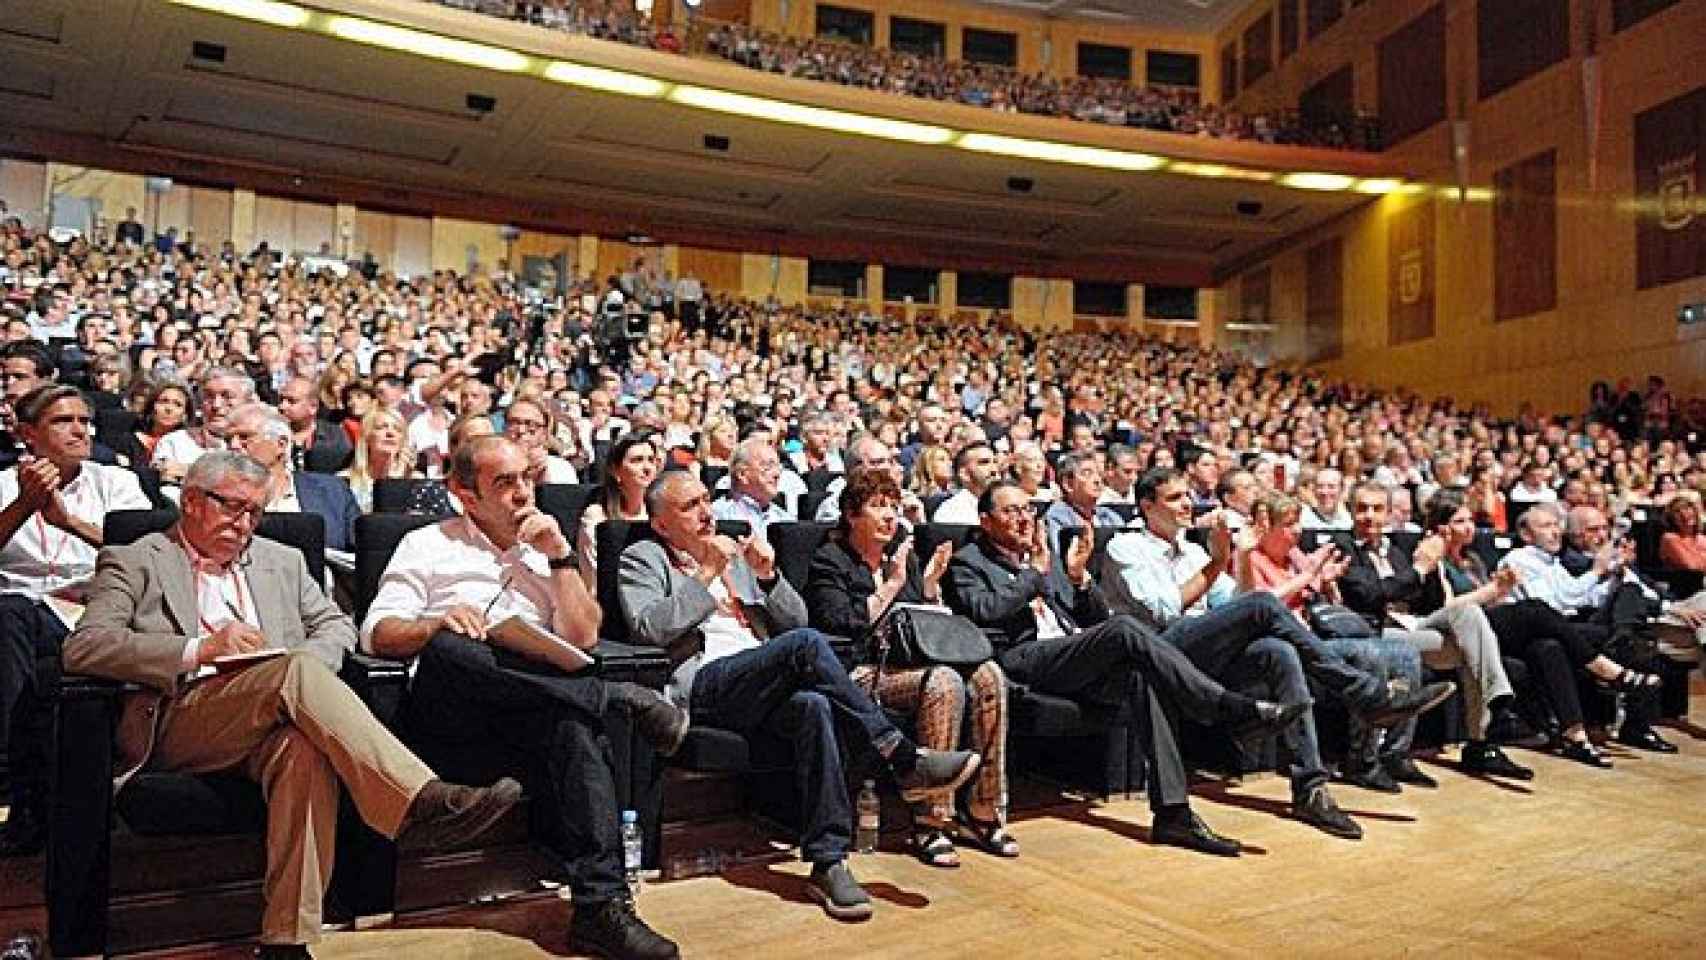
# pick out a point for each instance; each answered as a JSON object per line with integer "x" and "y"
{"x": 1061, "y": 35}
{"x": 23, "y": 185}
{"x": 1602, "y": 327}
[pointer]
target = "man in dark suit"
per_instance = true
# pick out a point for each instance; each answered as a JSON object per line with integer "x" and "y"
{"x": 1382, "y": 577}
{"x": 261, "y": 432}
{"x": 317, "y": 446}
{"x": 1059, "y": 637}
{"x": 129, "y": 230}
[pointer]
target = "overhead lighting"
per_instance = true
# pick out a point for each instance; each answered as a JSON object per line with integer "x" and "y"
{"x": 428, "y": 44}
{"x": 610, "y": 81}
{"x": 781, "y": 111}
{"x": 1059, "y": 152}
{"x": 1379, "y": 186}
{"x": 1317, "y": 181}
{"x": 1219, "y": 171}
{"x": 265, "y": 11}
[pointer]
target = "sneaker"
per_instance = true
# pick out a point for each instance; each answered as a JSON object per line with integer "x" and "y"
{"x": 613, "y": 929}
{"x": 447, "y": 814}
{"x": 832, "y": 885}
{"x": 1319, "y": 811}
{"x": 936, "y": 772}
{"x": 1401, "y": 705}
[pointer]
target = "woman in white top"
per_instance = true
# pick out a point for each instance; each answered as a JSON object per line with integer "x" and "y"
{"x": 382, "y": 454}
{"x": 630, "y": 467}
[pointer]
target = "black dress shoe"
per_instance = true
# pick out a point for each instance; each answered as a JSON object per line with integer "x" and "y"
{"x": 1647, "y": 739}
{"x": 1372, "y": 778}
{"x": 282, "y": 951}
{"x": 612, "y": 929}
{"x": 1278, "y": 716}
{"x": 660, "y": 722}
{"x": 1185, "y": 829}
{"x": 1402, "y": 705}
{"x": 1488, "y": 760}
{"x": 1583, "y": 751}
{"x": 24, "y": 835}
{"x": 1319, "y": 811}
{"x": 1404, "y": 770}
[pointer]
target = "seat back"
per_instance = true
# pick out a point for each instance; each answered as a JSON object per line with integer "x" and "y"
{"x": 1070, "y": 535}
{"x": 376, "y": 539}
{"x": 1491, "y": 547}
{"x": 566, "y": 502}
{"x": 304, "y": 531}
{"x": 928, "y": 536}
{"x": 795, "y": 545}
{"x": 393, "y": 495}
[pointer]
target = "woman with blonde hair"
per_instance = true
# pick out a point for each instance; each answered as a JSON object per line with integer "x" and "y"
{"x": 383, "y": 454}
{"x": 932, "y": 472}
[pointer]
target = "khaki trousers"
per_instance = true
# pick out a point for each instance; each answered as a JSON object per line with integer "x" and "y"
{"x": 293, "y": 727}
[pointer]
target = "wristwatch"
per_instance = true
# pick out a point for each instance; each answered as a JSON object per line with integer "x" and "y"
{"x": 563, "y": 562}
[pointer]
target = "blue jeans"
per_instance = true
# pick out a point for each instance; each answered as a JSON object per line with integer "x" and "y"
{"x": 794, "y": 687}
{"x": 1388, "y": 660}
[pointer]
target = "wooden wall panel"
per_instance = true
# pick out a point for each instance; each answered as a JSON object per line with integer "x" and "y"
{"x": 1516, "y": 39}
{"x": 1323, "y": 14}
{"x": 209, "y": 216}
{"x": 1627, "y": 13}
{"x": 23, "y": 185}
{"x": 1324, "y": 317}
{"x": 1228, "y": 72}
{"x": 1410, "y": 273}
{"x": 1256, "y": 296}
{"x": 1412, "y": 76}
{"x": 274, "y": 223}
{"x": 1258, "y": 48}
{"x": 1525, "y": 237}
{"x": 312, "y": 226}
{"x": 1332, "y": 98}
{"x": 375, "y": 233}
{"x": 413, "y": 256}
{"x": 715, "y": 269}
{"x": 1288, "y": 28}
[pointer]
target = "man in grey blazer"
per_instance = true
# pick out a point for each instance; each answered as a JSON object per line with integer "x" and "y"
{"x": 169, "y": 611}
{"x": 735, "y": 633}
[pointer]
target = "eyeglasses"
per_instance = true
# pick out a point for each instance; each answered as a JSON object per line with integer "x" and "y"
{"x": 234, "y": 508}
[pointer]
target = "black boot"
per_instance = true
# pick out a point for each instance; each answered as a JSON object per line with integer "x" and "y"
{"x": 611, "y": 928}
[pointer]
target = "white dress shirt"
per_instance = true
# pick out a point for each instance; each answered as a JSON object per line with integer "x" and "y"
{"x": 452, "y": 563}
{"x": 180, "y": 447}
{"x": 41, "y": 558}
{"x": 1147, "y": 572}
{"x": 959, "y": 508}
{"x": 1544, "y": 578}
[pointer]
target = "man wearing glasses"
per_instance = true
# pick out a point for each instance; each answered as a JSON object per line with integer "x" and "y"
{"x": 446, "y": 585}
{"x": 54, "y": 502}
{"x": 171, "y": 611}
{"x": 866, "y": 452}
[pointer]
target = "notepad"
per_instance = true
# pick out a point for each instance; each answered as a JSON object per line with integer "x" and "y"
{"x": 519, "y": 636}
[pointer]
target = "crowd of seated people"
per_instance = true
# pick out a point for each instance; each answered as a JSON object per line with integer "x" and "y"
{"x": 234, "y": 385}
{"x": 1103, "y": 100}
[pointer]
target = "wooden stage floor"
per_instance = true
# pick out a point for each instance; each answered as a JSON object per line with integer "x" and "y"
{"x": 1580, "y": 862}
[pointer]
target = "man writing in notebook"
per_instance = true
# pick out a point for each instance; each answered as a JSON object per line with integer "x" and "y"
{"x": 446, "y": 587}
{"x": 163, "y": 609}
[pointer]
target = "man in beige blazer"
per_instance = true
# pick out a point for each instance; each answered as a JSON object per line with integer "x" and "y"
{"x": 165, "y": 610}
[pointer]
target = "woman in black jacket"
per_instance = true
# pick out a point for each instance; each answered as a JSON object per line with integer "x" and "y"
{"x": 856, "y": 577}
{"x": 1553, "y": 647}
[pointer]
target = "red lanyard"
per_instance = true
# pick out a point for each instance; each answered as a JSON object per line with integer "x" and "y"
{"x": 242, "y": 607}
{"x": 52, "y": 561}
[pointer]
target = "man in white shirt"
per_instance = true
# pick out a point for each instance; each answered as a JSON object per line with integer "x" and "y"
{"x": 445, "y": 588}
{"x": 755, "y": 476}
{"x": 1327, "y": 511}
{"x": 1161, "y": 576}
{"x": 222, "y": 389}
{"x": 976, "y": 469}
{"x": 54, "y": 502}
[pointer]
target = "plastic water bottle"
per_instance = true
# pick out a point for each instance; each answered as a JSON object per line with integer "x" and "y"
{"x": 632, "y": 851}
{"x": 870, "y": 819}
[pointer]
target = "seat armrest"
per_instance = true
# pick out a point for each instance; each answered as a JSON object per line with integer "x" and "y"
{"x": 79, "y": 687}
{"x": 80, "y": 814}
{"x": 645, "y": 665}
{"x": 379, "y": 682}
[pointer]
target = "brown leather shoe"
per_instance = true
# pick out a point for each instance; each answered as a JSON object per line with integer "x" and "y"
{"x": 448, "y": 814}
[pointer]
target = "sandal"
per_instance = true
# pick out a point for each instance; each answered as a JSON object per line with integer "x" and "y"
{"x": 935, "y": 848}
{"x": 1631, "y": 681}
{"x": 991, "y": 838}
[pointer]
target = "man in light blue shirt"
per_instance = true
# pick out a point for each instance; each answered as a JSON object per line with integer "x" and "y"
{"x": 1080, "y": 505}
{"x": 755, "y": 477}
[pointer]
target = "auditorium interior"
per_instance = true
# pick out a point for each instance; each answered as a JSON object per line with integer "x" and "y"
{"x": 1191, "y": 280}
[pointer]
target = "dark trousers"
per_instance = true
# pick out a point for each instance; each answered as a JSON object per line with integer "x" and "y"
{"x": 794, "y": 687}
{"x": 1255, "y": 644}
{"x": 1120, "y": 661}
{"x": 472, "y": 708}
{"x": 1555, "y": 650}
{"x": 30, "y": 638}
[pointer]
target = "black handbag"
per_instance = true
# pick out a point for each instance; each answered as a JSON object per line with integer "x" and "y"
{"x": 922, "y": 637}
{"x": 1333, "y": 621}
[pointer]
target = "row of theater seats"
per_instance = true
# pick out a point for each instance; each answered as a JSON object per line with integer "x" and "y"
{"x": 1052, "y": 737}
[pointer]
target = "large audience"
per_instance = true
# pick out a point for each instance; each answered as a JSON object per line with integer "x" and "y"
{"x": 1154, "y": 527}
{"x": 1110, "y": 101}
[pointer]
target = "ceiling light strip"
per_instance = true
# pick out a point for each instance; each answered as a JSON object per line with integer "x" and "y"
{"x": 425, "y": 44}
{"x": 1059, "y": 152}
{"x": 841, "y": 121}
{"x": 264, "y": 11}
{"x": 600, "y": 78}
